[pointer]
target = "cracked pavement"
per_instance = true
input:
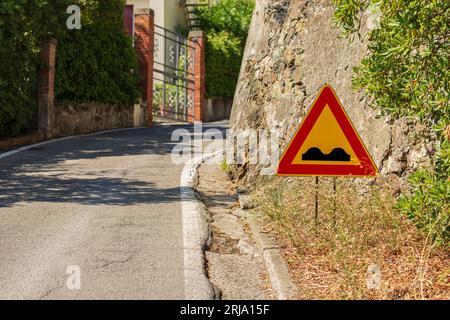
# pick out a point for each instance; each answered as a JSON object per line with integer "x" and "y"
{"x": 109, "y": 204}
{"x": 234, "y": 264}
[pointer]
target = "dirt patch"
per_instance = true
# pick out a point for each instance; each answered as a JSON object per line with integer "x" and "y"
{"x": 8, "y": 144}
{"x": 223, "y": 244}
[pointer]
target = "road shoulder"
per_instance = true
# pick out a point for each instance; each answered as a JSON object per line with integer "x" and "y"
{"x": 234, "y": 262}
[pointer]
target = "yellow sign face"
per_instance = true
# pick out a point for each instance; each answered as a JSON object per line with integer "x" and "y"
{"x": 327, "y": 144}
{"x": 326, "y": 135}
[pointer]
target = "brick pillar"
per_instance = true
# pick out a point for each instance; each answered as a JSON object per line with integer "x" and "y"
{"x": 46, "y": 89}
{"x": 199, "y": 40}
{"x": 144, "y": 29}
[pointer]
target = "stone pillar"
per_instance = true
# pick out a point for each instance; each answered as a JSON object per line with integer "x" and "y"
{"x": 46, "y": 88}
{"x": 199, "y": 40}
{"x": 144, "y": 29}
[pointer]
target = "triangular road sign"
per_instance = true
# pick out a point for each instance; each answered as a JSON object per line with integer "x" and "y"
{"x": 326, "y": 143}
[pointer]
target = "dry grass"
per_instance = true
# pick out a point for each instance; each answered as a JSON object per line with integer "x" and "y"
{"x": 331, "y": 260}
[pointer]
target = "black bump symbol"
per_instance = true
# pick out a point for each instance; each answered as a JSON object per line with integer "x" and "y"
{"x": 315, "y": 154}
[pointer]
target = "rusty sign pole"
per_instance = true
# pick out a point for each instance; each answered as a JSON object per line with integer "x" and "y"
{"x": 316, "y": 214}
{"x": 334, "y": 202}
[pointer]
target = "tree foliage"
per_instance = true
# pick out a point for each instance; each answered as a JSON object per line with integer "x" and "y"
{"x": 233, "y": 16}
{"x": 407, "y": 70}
{"x": 407, "y": 73}
{"x": 226, "y": 25}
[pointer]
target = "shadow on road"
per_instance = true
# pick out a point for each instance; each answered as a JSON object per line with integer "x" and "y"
{"x": 107, "y": 191}
{"x": 38, "y": 175}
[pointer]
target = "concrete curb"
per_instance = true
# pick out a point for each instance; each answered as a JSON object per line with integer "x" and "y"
{"x": 277, "y": 270}
{"x": 196, "y": 233}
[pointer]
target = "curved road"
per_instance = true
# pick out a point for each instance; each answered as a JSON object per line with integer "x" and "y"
{"x": 108, "y": 204}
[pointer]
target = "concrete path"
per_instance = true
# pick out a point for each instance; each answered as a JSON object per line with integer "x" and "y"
{"x": 109, "y": 204}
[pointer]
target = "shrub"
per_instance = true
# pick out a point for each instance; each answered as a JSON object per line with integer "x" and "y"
{"x": 407, "y": 74}
{"x": 17, "y": 84}
{"x": 97, "y": 63}
{"x": 407, "y": 69}
{"x": 23, "y": 24}
{"x": 233, "y": 16}
{"x": 100, "y": 45}
{"x": 226, "y": 25}
{"x": 429, "y": 203}
{"x": 223, "y": 63}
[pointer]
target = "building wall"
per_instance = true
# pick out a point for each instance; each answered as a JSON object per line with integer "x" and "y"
{"x": 168, "y": 13}
{"x": 173, "y": 14}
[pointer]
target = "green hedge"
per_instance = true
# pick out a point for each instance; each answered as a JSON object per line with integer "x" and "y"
{"x": 18, "y": 84}
{"x": 94, "y": 63}
{"x": 97, "y": 63}
{"x": 223, "y": 63}
{"x": 23, "y": 24}
{"x": 226, "y": 25}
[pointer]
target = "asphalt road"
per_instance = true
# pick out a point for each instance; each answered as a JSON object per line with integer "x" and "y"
{"x": 108, "y": 204}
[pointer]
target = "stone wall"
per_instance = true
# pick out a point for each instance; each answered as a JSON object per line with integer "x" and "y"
{"x": 73, "y": 119}
{"x": 293, "y": 49}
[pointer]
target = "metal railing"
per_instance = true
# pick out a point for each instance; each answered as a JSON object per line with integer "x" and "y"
{"x": 173, "y": 75}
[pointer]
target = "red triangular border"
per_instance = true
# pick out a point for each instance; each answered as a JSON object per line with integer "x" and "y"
{"x": 366, "y": 168}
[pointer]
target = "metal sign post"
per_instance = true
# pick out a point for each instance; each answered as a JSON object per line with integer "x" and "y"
{"x": 316, "y": 213}
{"x": 334, "y": 202}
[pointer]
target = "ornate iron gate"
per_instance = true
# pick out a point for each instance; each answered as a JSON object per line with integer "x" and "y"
{"x": 173, "y": 76}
